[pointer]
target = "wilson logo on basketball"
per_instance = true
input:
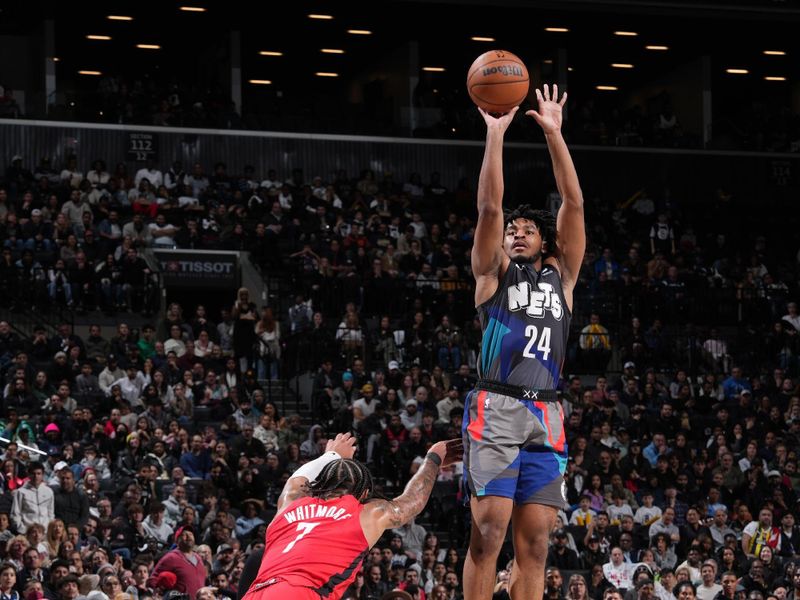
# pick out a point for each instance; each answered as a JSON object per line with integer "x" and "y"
{"x": 504, "y": 70}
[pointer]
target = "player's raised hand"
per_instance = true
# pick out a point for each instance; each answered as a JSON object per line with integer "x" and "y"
{"x": 344, "y": 444}
{"x": 449, "y": 451}
{"x": 499, "y": 123}
{"x": 550, "y": 113}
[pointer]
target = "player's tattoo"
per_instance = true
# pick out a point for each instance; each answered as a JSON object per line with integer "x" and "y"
{"x": 414, "y": 498}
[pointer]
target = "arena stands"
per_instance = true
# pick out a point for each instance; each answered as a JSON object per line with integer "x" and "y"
{"x": 680, "y": 396}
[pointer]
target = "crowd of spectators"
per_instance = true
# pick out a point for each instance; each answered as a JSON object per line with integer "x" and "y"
{"x": 138, "y": 456}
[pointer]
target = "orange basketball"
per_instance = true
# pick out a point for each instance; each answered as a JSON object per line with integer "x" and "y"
{"x": 497, "y": 81}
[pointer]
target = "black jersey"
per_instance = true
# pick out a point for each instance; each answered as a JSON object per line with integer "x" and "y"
{"x": 525, "y": 327}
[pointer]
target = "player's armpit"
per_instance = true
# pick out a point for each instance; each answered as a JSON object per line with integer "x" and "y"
{"x": 296, "y": 487}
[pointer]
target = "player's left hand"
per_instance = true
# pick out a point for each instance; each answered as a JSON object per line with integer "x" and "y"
{"x": 344, "y": 444}
{"x": 549, "y": 116}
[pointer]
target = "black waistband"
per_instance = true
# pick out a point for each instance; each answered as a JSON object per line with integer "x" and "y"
{"x": 517, "y": 391}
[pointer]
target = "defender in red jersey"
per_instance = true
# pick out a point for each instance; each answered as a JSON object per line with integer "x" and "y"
{"x": 324, "y": 529}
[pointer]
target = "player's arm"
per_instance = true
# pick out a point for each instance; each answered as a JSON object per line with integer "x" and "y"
{"x": 488, "y": 259}
{"x": 570, "y": 224}
{"x": 380, "y": 515}
{"x": 342, "y": 446}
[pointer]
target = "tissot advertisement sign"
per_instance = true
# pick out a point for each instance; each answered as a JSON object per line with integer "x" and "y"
{"x": 198, "y": 268}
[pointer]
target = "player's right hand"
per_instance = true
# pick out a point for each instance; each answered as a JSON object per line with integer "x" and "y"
{"x": 344, "y": 444}
{"x": 500, "y": 123}
{"x": 450, "y": 451}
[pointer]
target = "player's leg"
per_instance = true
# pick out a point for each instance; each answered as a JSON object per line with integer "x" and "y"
{"x": 531, "y": 524}
{"x": 494, "y": 428}
{"x": 540, "y": 493}
{"x": 490, "y": 517}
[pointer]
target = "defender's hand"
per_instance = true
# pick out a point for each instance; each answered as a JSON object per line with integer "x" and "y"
{"x": 344, "y": 444}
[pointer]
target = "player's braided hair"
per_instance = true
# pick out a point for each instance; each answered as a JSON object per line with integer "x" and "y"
{"x": 545, "y": 222}
{"x": 343, "y": 476}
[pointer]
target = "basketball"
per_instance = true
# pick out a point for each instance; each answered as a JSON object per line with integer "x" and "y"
{"x": 497, "y": 81}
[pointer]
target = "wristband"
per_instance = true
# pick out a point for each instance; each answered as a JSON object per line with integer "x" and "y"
{"x": 310, "y": 470}
{"x": 434, "y": 458}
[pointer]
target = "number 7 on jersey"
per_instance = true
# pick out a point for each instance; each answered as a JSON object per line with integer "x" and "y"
{"x": 304, "y": 527}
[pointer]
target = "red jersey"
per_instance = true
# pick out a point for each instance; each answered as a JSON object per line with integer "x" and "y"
{"x": 314, "y": 543}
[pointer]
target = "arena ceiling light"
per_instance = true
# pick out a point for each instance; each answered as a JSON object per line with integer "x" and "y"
{"x": 192, "y": 9}
{"x": 774, "y": 78}
{"x": 626, "y": 33}
{"x": 433, "y": 69}
{"x": 119, "y": 18}
{"x": 622, "y": 65}
{"x": 606, "y": 88}
{"x": 104, "y": 38}
{"x": 331, "y": 50}
{"x": 480, "y": 38}
{"x": 775, "y": 52}
{"x": 270, "y": 53}
{"x": 737, "y": 71}
{"x": 260, "y": 81}
{"x": 148, "y": 46}
{"x": 320, "y": 17}
{"x": 656, "y": 48}
{"x": 87, "y": 72}
{"x": 326, "y": 74}
{"x": 359, "y": 32}
{"x": 556, "y": 29}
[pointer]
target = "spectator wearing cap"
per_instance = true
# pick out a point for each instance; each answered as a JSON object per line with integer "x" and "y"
{"x": 411, "y": 416}
{"x": 394, "y": 376}
{"x": 560, "y": 554}
{"x": 33, "y": 502}
{"x": 184, "y": 563}
{"x": 448, "y": 403}
{"x": 345, "y": 394}
{"x": 592, "y": 555}
{"x": 365, "y": 405}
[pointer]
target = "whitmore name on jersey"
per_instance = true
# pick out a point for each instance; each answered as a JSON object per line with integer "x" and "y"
{"x": 535, "y": 301}
{"x": 319, "y": 511}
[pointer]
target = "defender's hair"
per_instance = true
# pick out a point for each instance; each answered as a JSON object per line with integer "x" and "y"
{"x": 545, "y": 222}
{"x": 343, "y": 476}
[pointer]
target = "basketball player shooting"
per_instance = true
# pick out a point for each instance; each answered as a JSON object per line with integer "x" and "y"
{"x": 327, "y": 521}
{"x": 525, "y": 265}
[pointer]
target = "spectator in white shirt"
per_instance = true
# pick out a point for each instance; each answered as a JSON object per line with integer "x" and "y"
{"x": 163, "y": 233}
{"x": 131, "y": 386}
{"x": 197, "y": 180}
{"x": 98, "y": 176}
{"x": 792, "y": 316}
{"x": 151, "y": 173}
{"x": 647, "y": 514}
{"x": 71, "y": 175}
